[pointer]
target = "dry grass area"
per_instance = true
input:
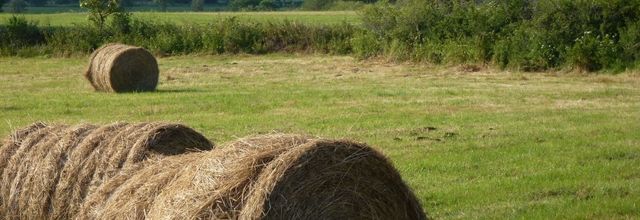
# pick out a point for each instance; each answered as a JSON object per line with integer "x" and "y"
{"x": 472, "y": 143}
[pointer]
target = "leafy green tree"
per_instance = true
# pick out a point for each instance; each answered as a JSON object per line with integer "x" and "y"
{"x": 1, "y": 3}
{"x": 163, "y": 4}
{"x": 126, "y": 3}
{"x": 240, "y": 4}
{"x": 316, "y": 4}
{"x": 99, "y": 10}
{"x": 37, "y": 2}
{"x": 267, "y": 4}
{"x": 197, "y": 5}
{"x": 17, "y": 6}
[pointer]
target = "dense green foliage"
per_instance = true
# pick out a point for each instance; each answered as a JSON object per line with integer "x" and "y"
{"x": 523, "y": 34}
{"x": 225, "y": 36}
{"x": 587, "y": 35}
{"x": 16, "y": 6}
{"x": 99, "y": 10}
{"x": 197, "y": 5}
{"x": 334, "y": 4}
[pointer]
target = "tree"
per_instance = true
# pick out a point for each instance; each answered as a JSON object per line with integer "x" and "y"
{"x": 316, "y": 4}
{"x": 17, "y": 6}
{"x": 267, "y": 5}
{"x": 37, "y": 2}
{"x": 99, "y": 10}
{"x": 163, "y": 4}
{"x": 1, "y": 3}
{"x": 239, "y": 4}
{"x": 197, "y": 5}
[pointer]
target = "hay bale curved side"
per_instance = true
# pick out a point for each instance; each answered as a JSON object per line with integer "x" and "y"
{"x": 243, "y": 179}
{"x": 122, "y": 68}
{"x": 50, "y": 170}
{"x": 339, "y": 180}
{"x": 183, "y": 186}
{"x": 11, "y": 143}
{"x": 17, "y": 170}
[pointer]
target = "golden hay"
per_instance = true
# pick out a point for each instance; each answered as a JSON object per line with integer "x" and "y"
{"x": 122, "y": 68}
{"x": 47, "y": 171}
{"x": 266, "y": 177}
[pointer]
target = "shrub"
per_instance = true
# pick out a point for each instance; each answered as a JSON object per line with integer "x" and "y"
{"x": 243, "y": 4}
{"x": 365, "y": 45}
{"x": 197, "y": 5}
{"x": 19, "y": 33}
{"x": 17, "y": 6}
{"x": 37, "y": 2}
{"x": 267, "y": 5}
{"x": 346, "y": 5}
{"x": 316, "y": 4}
{"x": 630, "y": 44}
{"x": 120, "y": 23}
{"x": 522, "y": 34}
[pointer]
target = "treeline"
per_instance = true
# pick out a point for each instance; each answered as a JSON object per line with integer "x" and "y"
{"x": 526, "y": 35}
{"x": 22, "y": 38}
{"x": 18, "y": 6}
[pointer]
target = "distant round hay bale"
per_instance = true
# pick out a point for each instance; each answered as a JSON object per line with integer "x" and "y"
{"x": 48, "y": 170}
{"x": 267, "y": 177}
{"x": 122, "y": 68}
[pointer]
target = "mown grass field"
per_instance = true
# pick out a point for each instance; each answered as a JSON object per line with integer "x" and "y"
{"x": 306, "y": 17}
{"x": 485, "y": 145}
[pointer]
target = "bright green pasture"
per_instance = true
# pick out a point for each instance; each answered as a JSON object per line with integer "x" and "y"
{"x": 481, "y": 145}
{"x": 307, "y": 17}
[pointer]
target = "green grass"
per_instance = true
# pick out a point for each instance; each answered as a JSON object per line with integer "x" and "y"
{"x": 307, "y": 17}
{"x": 505, "y": 145}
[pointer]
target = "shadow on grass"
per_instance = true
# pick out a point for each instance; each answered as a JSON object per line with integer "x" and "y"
{"x": 178, "y": 91}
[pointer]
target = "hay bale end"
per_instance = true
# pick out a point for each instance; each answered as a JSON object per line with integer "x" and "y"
{"x": 122, "y": 68}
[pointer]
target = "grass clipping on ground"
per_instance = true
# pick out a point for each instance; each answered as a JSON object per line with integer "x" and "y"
{"x": 122, "y": 68}
{"x": 275, "y": 176}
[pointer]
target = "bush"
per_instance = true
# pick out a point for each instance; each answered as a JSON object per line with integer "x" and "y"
{"x": 346, "y": 5}
{"x": 315, "y": 5}
{"x": 365, "y": 45}
{"x": 120, "y": 23}
{"x": 521, "y": 34}
{"x": 243, "y": 4}
{"x": 197, "y": 5}
{"x": 19, "y": 33}
{"x": 37, "y": 2}
{"x": 17, "y": 6}
{"x": 267, "y": 5}
{"x": 629, "y": 43}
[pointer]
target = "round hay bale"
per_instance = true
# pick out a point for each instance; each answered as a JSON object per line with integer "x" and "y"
{"x": 48, "y": 170}
{"x": 122, "y": 68}
{"x": 268, "y": 177}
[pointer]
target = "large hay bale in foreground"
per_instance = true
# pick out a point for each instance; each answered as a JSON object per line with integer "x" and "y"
{"x": 268, "y": 177}
{"x": 122, "y": 68}
{"x": 48, "y": 170}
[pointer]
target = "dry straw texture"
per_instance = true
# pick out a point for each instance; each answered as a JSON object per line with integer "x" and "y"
{"x": 122, "y": 68}
{"x": 265, "y": 177}
{"x": 48, "y": 170}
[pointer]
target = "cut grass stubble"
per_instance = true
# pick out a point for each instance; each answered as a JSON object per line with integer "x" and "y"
{"x": 486, "y": 144}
